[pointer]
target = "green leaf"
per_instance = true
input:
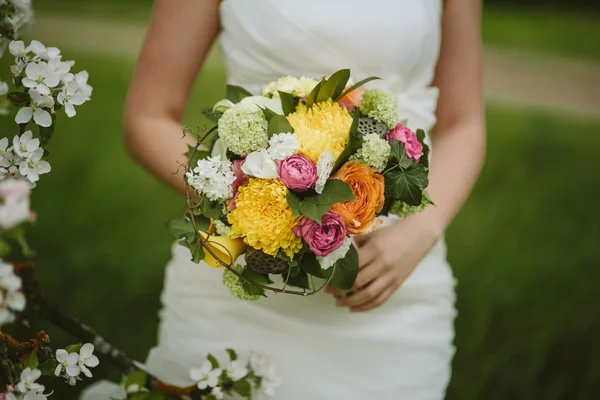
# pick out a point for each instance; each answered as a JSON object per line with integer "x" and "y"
{"x": 18, "y": 235}
{"x": 278, "y": 124}
{"x": 197, "y": 251}
{"x": 256, "y": 277}
{"x": 213, "y": 361}
{"x": 269, "y": 114}
{"x": 287, "y": 103}
{"x": 136, "y": 378}
{"x": 424, "y": 160}
{"x": 335, "y": 191}
{"x": 4, "y": 248}
{"x": 346, "y": 270}
{"x": 181, "y": 228}
{"x": 311, "y": 266}
{"x": 312, "y": 96}
{"x": 354, "y": 143}
{"x": 334, "y": 86}
{"x": 19, "y": 99}
{"x": 252, "y": 289}
{"x": 300, "y": 281}
{"x": 47, "y": 368}
{"x": 202, "y": 222}
{"x": 357, "y": 85}
{"x": 210, "y": 114}
{"x": 243, "y": 388}
{"x": 236, "y": 94}
{"x": 32, "y": 361}
{"x": 46, "y": 133}
{"x": 211, "y": 209}
{"x": 399, "y": 153}
{"x": 73, "y": 348}
{"x": 294, "y": 202}
{"x": 407, "y": 185}
{"x": 210, "y": 135}
{"x": 232, "y": 354}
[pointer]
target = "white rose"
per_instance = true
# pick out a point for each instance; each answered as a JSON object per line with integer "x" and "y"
{"x": 261, "y": 101}
{"x": 260, "y": 165}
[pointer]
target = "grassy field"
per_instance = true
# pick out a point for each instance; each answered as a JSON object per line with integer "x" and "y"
{"x": 524, "y": 248}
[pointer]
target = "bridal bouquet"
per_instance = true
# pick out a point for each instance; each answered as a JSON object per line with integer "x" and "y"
{"x": 291, "y": 174}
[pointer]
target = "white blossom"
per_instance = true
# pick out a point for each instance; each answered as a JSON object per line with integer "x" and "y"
{"x": 262, "y": 102}
{"x": 25, "y": 145}
{"x": 206, "y": 376}
{"x": 15, "y": 203}
{"x": 3, "y": 88}
{"x": 263, "y": 368}
{"x": 283, "y": 145}
{"x": 212, "y": 177}
{"x": 36, "y": 394}
{"x": 259, "y": 164}
{"x": 218, "y": 393}
{"x": 41, "y": 77}
{"x": 8, "y": 396}
{"x": 324, "y": 167}
{"x": 18, "y": 49}
{"x": 336, "y": 255}
{"x": 34, "y": 166}
{"x": 68, "y": 365}
{"x": 72, "y": 95}
{"x": 42, "y": 52}
{"x": 235, "y": 371}
{"x": 87, "y": 359}
{"x": 28, "y": 378}
{"x": 36, "y": 110}
{"x": 9, "y": 162}
{"x": 11, "y": 299}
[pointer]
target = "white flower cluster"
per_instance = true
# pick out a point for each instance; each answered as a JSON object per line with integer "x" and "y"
{"x": 27, "y": 388}
{"x": 283, "y": 145}
{"x": 299, "y": 87}
{"x": 258, "y": 366}
{"x": 71, "y": 365}
{"x": 325, "y": 164}
{"x": 15, "y": 203}
{"x": 11, "y": 298}
{"x": 213, "y": 178}
{"x": 23, "y": 160}
{"x": 14, "y": 15}
{"x": 47, "y": 80}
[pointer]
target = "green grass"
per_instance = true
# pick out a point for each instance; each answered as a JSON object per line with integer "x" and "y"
{"x": 524, "y": 248}
{"x": 556, "y": 30}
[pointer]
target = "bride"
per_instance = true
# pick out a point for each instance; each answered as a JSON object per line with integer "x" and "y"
{"x": 392, "y": 339}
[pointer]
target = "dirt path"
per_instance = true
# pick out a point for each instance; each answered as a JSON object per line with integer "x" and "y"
{"x": 526, "y": 79}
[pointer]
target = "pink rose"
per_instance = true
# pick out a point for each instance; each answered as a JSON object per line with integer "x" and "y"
{"x": 298, "y": 172}
{"x": 325, "y": 238}
{"x": 240, "y": 179}
{"x": 413, "y": 147}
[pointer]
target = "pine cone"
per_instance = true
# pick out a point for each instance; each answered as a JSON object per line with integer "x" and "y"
{"x": 367, "y": 125}
{"x": 262, "y": 263}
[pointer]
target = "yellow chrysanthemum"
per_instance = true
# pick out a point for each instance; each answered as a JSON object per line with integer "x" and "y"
{"x": 323, "y": 127}
{"x": 263, "y": 218}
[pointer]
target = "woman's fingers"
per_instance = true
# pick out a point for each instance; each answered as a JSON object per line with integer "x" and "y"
{"x": 376, "y": 302}
{"x": 367, "y": 274}
{"x": 365, "y": 295}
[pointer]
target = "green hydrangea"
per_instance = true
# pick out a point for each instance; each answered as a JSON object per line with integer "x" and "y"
{"x": 375, "y": 152}
{"x": 243, "y": 128}
{"x": 236, "y": 286}
{"x": 222, "y": 228}
{"x": 404, "y": 210}
{"x": 381, "y": 106}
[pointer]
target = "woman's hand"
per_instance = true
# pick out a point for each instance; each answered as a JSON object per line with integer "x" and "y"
{"x": 387, "y": 257}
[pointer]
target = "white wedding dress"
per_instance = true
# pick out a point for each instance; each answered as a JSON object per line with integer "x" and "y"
{"x": 401, "y": 350}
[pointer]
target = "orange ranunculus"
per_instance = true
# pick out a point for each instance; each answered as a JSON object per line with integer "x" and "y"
{"x": 360, "y": 215}
{"x": 352, "y": 99}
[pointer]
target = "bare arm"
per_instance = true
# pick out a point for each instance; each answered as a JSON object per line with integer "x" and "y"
{"x": 389, "y": 255}
{"x": 180, "y": 35}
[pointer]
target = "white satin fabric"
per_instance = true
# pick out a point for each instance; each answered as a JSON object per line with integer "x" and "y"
{"x": 401, "y": 350}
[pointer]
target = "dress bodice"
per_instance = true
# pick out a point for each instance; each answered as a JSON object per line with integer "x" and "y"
{"x": 396, "y": 40}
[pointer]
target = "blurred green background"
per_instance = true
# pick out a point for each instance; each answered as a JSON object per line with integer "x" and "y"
{"x": 525, "y": 248}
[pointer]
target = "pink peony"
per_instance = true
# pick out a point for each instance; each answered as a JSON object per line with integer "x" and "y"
{"x": 240, "y": 179}
{"x": 298, "y": 172}
{"x": 325, "y": 238}
{"x": 413, "y": 147}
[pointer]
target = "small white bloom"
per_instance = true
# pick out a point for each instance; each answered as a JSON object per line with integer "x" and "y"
{"x": 36, "y": 110}
{"x": 270, "y": 382}
{"x": 262, "y": 102}
{"x": 82, "y": 78}
{"x": 42, "y": 52}
{"x": 72, "y": 95}
{"x": 134, "y": 388}
{"x": 25, "y": 144}
{"x": 8, "y": 280}
{"x": 28, "y": 378}
{"x": 67, "y": 364}
{"x": 8, "y": 396}
{"x": 262, "y": 367}
{"x": 3, "y": 88}
{"x": 16, "y": 301}
{"x": 15, "y": 203}
{"x": 10, "y": 162}
{"x": 235, "y": 371}
{"x": 283, "y": 145}
{"x": 19, "y": 66}
{"x": 36, "y": 394}
{"x": 41, "y": 77}
{"x": 87, "y": 359}
{"x": 218, "y": 393}
{"x": 324, "y": 167}
{"x": 34, "y": 166}
{"x": 336, "y": 255}
{"x": 17, "y": 48}
{"x": 212, "y": 177}
{"x": 206, "y": 376}
{"x": 59, "y": 67}
{"x": 3, "y": 147}
{"x": 259, "y": 363}
{"x": 260, "y": 165}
